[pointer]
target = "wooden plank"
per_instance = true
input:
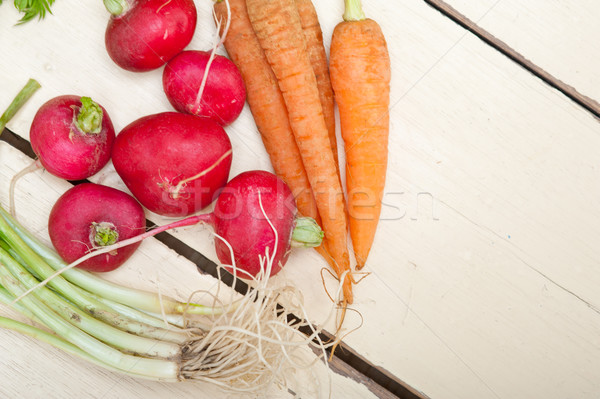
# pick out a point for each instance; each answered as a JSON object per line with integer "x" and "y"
{"x": 26, "y": 358}
{"x": 345, "y": 361}
{"x": 480, "y": 151}
{"x": 548, "y": 37}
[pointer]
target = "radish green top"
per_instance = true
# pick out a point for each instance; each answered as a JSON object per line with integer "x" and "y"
{"x": 89, "y": 118}
{"x": 307, "y": 233}
{"x": 103, "y": 234}
{"x": 116, "y": 7}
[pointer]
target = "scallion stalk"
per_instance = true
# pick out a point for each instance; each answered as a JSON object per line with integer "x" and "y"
{"x": 106, "y": 333}
{"x": 61, "y": 344}
{"x": 139, "y": 299}
{"x": 152, "y": 368}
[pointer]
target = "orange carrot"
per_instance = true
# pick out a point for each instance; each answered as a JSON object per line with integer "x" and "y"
{"x": 279, "y": 31}
{"x": 266, "y": 103}
{"x": 268, "y": 107}
{"x": 360, "y": 75}
{"x": 313, "y": 36}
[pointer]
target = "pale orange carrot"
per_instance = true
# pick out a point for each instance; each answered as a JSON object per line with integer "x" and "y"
{"x": 313, "y": 37}
{"x": 279, "y": 30}
{"x": 360, "y": 75}
{"x": 266, "y": 103}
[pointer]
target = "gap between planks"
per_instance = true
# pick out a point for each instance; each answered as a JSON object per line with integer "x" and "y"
{"x": 448, "y": 11}
{"x": 346, "y": 361}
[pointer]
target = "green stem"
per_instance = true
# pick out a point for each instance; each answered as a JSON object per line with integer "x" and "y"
{"x": 89, "y": 118}
{"x": 139, "y": 299}
{"x": 59, "y": 343}
{"x": 117, "y": 7}
{"x": 96, "y": 328}
{"x": 78, "y": 295}
{"x": 21, "y": 98}
{"x": 353, "y": 11}
{"x": 103, "y": 234}
{"x": 307, "y": 233}
{"x": 32, "y": 251}
{"x": 151, "y": 368}
{"x": 17, "y": 258}
{"x": 142, "y": 324}
{"x": 7, "y": 299}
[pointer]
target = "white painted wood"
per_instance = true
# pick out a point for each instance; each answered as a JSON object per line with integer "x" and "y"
{"x": 484, "y": 269}
{"x": 31, "y": 369}
{"x": 558, "y": 35}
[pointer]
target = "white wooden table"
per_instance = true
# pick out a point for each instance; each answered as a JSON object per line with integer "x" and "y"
{"x": 486, "y": 266}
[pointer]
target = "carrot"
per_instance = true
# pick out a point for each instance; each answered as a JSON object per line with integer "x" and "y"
{"x": 313, "y": 37}
{"x": 279, "y": 31}
{"x": 268, "y": 107}
{"x": 266, "y": 104}
{"x": 360, "y": 75}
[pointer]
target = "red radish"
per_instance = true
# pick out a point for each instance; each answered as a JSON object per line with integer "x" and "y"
{"x": 144, "y": 34}
{"x": 93, "y": 216}
{"x": 223, "y": 94}
{"x": 173, "y": 163}
{"x": 72, "y": 137}
{"x": 238, "y": 218}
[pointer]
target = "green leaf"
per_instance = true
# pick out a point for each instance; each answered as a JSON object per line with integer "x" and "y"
{"x": 32, "y": 8}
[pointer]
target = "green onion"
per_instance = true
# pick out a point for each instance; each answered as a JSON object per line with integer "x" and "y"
{"x": 243, "y": 347}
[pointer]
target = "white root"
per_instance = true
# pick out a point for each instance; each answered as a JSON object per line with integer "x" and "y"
{"x": 218, "y": 43}
{"x": 258, "y": 343}
{"x": 35, "y": 165}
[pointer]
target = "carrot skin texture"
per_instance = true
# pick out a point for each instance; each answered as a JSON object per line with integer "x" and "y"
{"x": 266, "y": 104}
{"x": 313, "y": 36}
{"x": 279, "y": 31}
{"x": 360, "y": 75}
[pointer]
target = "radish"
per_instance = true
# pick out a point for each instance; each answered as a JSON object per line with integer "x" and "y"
{"x": 90, "y": 216}
{"x": 72, "y": 137}
{"x": 144, "y": 34}
{"x": 245, "y": 343}
{"x": 250, "y": 208}
{"x": 220, "y": 95}
{"x": 254, "y": 220}
{"x": 173, "y": 163}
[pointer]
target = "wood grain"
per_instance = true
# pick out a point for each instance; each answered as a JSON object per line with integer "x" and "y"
{"x": 153, "y": 267}
{"x": 484, "y": 272}
{"x": 546, "y": 37}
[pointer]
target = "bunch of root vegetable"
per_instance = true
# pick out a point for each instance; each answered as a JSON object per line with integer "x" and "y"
{"x": 243, "y": 345}
{"x": 278, "y": 47}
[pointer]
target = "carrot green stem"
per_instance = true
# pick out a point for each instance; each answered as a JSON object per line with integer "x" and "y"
{"x": 353, "y": 11}
{"x": 21, "y": 98}
{"x": 89, "y": 117}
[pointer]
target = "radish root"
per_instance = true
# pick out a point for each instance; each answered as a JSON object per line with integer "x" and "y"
{"x": 175, "y": 192}
{"x": 258, "y": 338}
{"x": 251, "y": 347}
{"x": 213, "y": 52}
{"x": 13, "y": 183}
